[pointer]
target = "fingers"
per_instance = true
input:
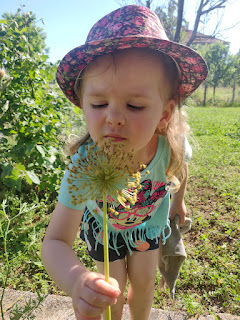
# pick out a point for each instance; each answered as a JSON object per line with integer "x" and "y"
{"x": 97, "y": 283}
{"x": 178, "y": 209}
{"x": 84, "y": 310}
{"x": 178, "y": 219}
{"x": 182, "y": 220}
{"x": 92, "y": 295}
{"x": 98, "y": 297}
{"x": 114, "y": 283}
{"x": 81, "y": 317}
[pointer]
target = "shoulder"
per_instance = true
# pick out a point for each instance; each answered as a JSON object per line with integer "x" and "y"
{"x": 64, "y": 197}
{"x": 82, "y": 150}
{"x": 157, "y": 167}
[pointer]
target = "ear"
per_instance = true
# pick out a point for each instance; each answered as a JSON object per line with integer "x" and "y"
{"x": 166, "y": 114}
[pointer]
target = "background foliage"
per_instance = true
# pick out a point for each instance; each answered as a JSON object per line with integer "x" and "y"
{"x": 35, "y": 119}
{"x": 34, "y": 115}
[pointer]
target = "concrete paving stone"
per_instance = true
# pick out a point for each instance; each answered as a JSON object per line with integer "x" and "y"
{"x": 55, "y": 307}
{"x": 227, "y": 316}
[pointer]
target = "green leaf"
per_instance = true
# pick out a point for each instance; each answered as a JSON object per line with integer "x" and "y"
{"x": 24, "y": 38}
{"x": 20, "y": 167}
{"x": 41, "y": 150}
{"x": 6, "y": 170}
{"x": 15, "y": 174}
{"x": 19, "y": 184}
{"x": 30, "y": 147}
{"x": 29, "y": 180}
{"x": 24, "y": 30}
{"x": 5, "y": 106}
{"x": 33, "y": 177}
{"x": 51, "y": 159}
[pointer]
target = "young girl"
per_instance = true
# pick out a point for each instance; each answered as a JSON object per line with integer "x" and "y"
{"x": 129, "y": 80}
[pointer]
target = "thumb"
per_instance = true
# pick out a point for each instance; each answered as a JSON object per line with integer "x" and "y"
{"x": 113, "y": 283}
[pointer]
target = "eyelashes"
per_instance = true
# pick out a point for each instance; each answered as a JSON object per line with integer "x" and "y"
{"x": 135, "y": 107}
{"x": 130, "y": 106}
{"x": 98, "y": 106}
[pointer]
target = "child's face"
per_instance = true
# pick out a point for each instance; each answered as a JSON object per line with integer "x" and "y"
{"x": 126, "y": 98}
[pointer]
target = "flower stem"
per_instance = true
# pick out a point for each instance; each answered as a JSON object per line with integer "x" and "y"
{"x": 106, "y": 257}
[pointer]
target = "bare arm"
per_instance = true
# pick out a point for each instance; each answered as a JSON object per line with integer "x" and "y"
{"x": 89, "y": 292}
{"x": 177, "y": 200}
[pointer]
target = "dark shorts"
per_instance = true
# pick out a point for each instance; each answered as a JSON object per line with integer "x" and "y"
{"x": 98, "y": 255}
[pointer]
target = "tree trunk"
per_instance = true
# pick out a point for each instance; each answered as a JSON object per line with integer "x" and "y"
{"x": 234, "y": 87}
{"x": 205, "y": 93}
{"x": 214, "y": 92}
{"x": 196, "y": 24}
{"x": 179, "y": 20}
{"x": 148, "y": 3}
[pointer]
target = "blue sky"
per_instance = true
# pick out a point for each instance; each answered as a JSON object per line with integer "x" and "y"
{"x": 69, "y": 21}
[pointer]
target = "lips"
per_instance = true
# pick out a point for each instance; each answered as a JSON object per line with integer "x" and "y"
{"x": 116, "y": 138}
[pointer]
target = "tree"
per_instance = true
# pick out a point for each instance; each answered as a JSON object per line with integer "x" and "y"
{"x": 24, "y": 27}
{"x": 168, "y": 18}
{"x": 179, "y": 21}
{"x": 31, "y": 116}
{"x": 205, "y": 8}
{"x": 232, "y": 77}
{"x": 217, "y": 56}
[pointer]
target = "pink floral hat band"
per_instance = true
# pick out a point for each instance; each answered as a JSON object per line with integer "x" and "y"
{"x": 130, "y": 27}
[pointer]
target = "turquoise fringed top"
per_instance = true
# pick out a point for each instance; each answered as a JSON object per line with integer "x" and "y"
{"x": 148, "y": 216}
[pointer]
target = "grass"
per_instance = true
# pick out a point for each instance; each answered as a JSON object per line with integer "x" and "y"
{"x": 209, "y": 278}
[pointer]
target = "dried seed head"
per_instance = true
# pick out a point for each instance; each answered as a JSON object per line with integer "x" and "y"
{"x": 106, "y": 169}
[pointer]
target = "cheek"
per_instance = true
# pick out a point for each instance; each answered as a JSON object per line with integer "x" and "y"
{"x": 91, "y": 116}
{"x": 145, "y": 123}
{"x": 94, "y": 121}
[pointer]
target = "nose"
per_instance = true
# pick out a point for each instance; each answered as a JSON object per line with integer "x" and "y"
{"x": 115, "y": 117}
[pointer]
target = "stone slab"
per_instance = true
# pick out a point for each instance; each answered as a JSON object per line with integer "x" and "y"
{"x": 55, "y": 307}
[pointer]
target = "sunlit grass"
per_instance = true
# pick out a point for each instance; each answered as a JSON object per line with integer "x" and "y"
{"x": 209, "y": 279}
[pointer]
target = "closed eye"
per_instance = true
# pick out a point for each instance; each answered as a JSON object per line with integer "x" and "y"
{"x": 95, "y": 106}
{"x": 138, "y": 108}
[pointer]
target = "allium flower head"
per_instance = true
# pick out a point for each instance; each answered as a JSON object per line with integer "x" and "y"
{"x": 106, "y": 169}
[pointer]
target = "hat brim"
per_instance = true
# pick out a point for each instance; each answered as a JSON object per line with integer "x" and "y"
{"x": 192, "y": 66}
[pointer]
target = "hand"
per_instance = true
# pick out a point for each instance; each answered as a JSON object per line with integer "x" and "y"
{"x": 92, "y": 294}
{"x": 178, "y": 208}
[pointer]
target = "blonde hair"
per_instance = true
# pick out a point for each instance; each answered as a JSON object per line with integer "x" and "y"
{"x": 176, "y": 131}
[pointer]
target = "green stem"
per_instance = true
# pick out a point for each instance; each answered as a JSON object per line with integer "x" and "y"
{"x": 106, "y": 256}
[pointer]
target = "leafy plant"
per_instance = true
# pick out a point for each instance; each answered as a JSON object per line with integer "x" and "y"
{"x": 26, "y": 311}
{"x": 32, "y": 122}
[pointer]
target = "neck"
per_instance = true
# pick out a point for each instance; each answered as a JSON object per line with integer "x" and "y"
{"x": 149, "y": 152}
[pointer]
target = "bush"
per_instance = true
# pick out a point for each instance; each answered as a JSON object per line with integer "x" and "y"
{"x": 34, "y": 113}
